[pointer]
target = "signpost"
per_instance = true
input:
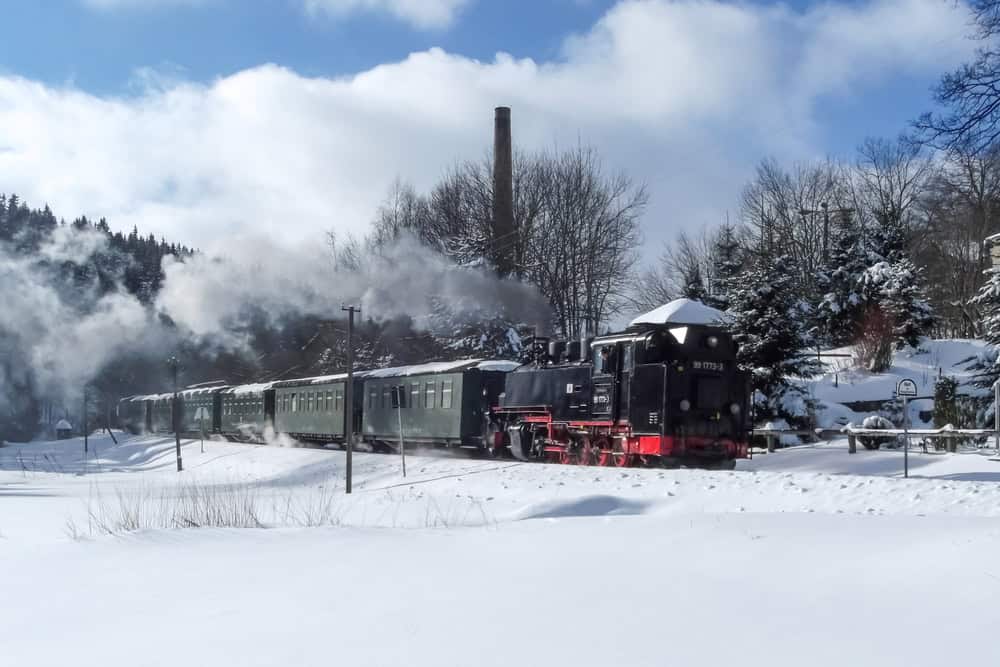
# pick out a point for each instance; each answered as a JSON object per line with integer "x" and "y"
{"x": 398, "y": 399}
{"x": 200, "y": 415}
{"x": 906, "y": 389}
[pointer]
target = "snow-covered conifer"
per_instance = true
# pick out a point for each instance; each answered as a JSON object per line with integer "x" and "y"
{"x": 769, "y": 324}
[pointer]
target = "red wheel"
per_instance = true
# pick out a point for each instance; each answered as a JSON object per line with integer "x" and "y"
{"x": 603, "y": 453}
{"x": 622, "y": 458}
{"x": 586, "y": 457}
{"x": 567, "y": 457}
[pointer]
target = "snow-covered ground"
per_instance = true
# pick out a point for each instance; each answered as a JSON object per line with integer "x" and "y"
{"x": 842, "y": 383}
{"x": 808, "y": 556}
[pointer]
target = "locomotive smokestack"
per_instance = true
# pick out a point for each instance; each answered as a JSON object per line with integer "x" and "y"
{"x": 503, "y": 193}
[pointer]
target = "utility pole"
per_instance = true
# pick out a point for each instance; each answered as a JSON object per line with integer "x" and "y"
{"x": 826, "y": 232}
{"x": 349, "y": 389}
{"x": 174, "y": 363}
{"x": 83, "y": 420}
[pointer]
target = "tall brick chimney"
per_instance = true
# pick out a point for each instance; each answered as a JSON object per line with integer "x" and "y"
{"x": 503, "y": 193}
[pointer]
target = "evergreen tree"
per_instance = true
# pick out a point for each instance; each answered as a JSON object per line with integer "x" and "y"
{"x": 694, "y": 285}
{"x": 843, "y": 303}
{"x": 987, "y": 367}
{"x": 769, "y": 325}
{"x": 895, "y": 288}
{"x": 728, "y": 265}
{"x": 887, "y": 242}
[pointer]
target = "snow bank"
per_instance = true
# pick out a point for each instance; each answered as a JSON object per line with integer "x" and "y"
{"x": 816, "y": 541}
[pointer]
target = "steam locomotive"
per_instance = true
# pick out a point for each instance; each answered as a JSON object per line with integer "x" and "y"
{"x": 655, "y": 394}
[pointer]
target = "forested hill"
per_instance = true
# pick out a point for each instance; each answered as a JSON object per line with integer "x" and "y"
{"x": 132, "y": 260}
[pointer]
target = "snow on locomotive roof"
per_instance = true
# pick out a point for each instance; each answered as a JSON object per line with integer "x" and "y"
{"x": 681, "y": 311}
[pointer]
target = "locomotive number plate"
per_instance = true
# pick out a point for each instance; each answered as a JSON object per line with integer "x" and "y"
{"x": 716, "y": 366}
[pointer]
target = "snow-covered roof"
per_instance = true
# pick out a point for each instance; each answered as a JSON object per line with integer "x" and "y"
{"x": 443, "y": 367}
{"x": 991, "y": 239}
{"x": 319, "y": 379}
{"x": 241, "y": 389}
{"x": 400, "y": 371}
{"x": 681, "y": 311}
{"x": 63, "y": 425}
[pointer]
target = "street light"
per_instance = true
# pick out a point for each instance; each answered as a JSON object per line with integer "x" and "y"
{"x": 825, "y": 210}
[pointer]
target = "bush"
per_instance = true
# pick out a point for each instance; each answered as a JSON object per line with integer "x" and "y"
{"x": 876, "y": 441}
{"x": 873, "y": 349}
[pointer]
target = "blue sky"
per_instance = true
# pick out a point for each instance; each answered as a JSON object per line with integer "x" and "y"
{"x": 98, "y": 48}
{"x": 684, "y": 95}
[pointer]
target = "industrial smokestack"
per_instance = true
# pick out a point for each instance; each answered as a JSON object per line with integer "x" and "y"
{"x": 503, "y": 194}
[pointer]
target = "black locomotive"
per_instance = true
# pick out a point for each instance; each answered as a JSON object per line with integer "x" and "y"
{"x": 654, "y": 394}
{"x": 663, "y": 394}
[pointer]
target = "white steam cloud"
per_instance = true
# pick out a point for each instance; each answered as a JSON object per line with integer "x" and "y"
{"x": 54, "y": 336}
{"x": 209, "y": 297}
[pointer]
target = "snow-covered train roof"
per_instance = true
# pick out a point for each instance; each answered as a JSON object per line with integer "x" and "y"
{"x": 183, "y": 393}
{"x": 319, "y": 379}
{"x": 402, "y": 371}
{"x": 444, "y": 367}
{"x": 681, "y": 311}
{"x": 253, "y": 388}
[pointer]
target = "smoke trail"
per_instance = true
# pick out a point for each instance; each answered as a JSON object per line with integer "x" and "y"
{"x": 57, "y": 333}
{"x": 213, "y": 297}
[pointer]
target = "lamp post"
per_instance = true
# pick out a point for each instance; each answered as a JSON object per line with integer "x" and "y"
{"x": 174, "y": 364}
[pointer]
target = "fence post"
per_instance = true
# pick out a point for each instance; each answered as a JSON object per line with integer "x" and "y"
{"x": 852, "y": 443}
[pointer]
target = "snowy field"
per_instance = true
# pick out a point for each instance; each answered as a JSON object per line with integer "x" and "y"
{"x": 808, "y": 556}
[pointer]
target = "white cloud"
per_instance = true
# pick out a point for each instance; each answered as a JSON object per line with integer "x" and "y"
{"x": 685, "y": 95}
{"x": 420, "y": 13}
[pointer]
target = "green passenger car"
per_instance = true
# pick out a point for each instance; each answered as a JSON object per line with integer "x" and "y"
{"x": 313, "y": 408}
{"x": 243, "y": 411}
{"x": 444, "y": 404}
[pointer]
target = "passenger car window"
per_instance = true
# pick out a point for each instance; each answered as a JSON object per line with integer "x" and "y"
{"x": 429, "y": 395}
{"x": 446, "y": 387}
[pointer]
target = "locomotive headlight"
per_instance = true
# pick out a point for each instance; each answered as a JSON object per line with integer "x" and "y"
{"x": 712, "y": 341}
{"x": 685, "y": 405}
{"x": 735, "y": 408}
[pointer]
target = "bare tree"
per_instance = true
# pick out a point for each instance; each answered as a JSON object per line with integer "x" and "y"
{"x": 892, "y": 176}
{"x": 785, "y": 213}
{"x": 403, "y": 210}
{"x": 679, "y": 262}
{"x": 960, "y": 206}
{"x": 588, "y": 231}
{"x": 971, "y": 93}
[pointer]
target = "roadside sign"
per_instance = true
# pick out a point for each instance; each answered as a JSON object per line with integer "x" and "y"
{"x": 906, "y": 389}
